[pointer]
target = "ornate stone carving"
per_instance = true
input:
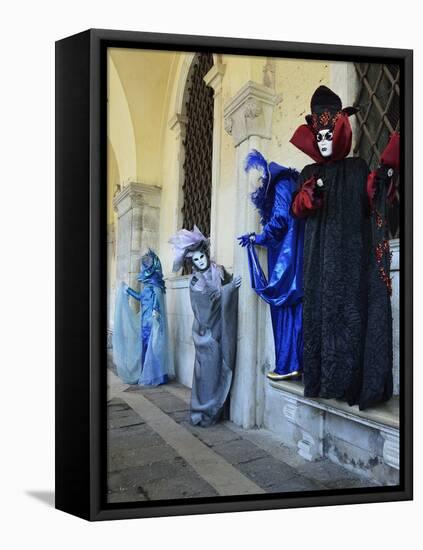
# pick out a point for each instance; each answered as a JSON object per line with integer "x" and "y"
{"x": 136, "y": 194}
{"x": 249, "y": 112}
{"x": 252, "y": 109}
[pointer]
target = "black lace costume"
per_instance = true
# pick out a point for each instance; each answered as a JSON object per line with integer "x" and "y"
{"x": 347, "y": 319}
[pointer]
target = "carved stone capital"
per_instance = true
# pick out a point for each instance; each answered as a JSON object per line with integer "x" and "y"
{"x": 252, "y": 108}
{"x": 249, "y": 112}
{"x": 134, "y": 195}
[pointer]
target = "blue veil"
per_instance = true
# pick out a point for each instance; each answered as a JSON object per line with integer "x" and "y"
{"x": 126, "y": 339}
{"x": 141, "y": 349}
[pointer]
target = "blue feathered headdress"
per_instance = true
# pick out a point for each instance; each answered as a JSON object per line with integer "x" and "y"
{"x": 151, "y": 270}
{"x": 263, "y": 198}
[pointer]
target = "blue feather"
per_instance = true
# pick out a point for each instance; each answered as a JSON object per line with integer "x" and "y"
{"x": 256, "y": 160}
{"x": 264, "y": 196}
{"x": 261, "y": 199}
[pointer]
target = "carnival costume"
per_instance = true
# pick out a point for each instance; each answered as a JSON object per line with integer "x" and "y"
{"x": 214, "y": 302}
{"x": 347, "y": 318}
{"x": 140, "y": 341}
{"x": 283, "y": 237}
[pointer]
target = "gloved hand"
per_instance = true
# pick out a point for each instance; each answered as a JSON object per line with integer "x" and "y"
{"x": 319, "y": 188}
{"x": 214, "y": 295}
{"x": 246, "y": 239}
{"x": 309, "y": 197}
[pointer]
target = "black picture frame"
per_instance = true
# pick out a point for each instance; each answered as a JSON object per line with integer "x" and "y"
{"x": 81, "y": 274}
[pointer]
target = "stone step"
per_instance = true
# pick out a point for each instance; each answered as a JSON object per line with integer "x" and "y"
{"x": 365, "y": 442}
{"x": 385, "y": 413}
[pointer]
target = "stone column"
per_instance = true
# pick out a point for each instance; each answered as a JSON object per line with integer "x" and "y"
{"x": 138, "y": 209}
{"x": 248, "y": 118}
{"x": 214, "y": 79}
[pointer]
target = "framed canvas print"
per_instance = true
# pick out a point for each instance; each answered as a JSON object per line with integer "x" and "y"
{"x": 234, "y": 274}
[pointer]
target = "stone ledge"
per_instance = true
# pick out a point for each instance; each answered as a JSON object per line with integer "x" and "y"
{"x": 385, "y": 414}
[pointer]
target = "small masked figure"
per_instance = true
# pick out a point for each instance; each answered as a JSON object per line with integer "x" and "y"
{"x": 283, "y": 236}
{"x": 214, "y": 302}
{"x": 140, "y": 341}
{"x": 347, "y": 319}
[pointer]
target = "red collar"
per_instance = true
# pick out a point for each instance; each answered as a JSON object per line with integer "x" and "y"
{"x": 305, "y": 139}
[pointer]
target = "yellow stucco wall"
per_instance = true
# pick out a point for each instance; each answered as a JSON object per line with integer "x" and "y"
{"x": 296, "y": 80}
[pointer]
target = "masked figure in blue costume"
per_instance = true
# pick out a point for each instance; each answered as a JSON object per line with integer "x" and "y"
{"x": 214, "y": 302}
{"x": 140, "y": 341}
{"x": 283, "y": 236}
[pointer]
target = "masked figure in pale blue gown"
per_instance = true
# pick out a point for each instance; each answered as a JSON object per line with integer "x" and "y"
{"x": 283, "y": 237}
{"x": 140, "y": 341}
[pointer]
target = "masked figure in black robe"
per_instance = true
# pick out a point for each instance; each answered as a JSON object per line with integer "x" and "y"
{"x": 214, "y": 302}
{"x": 347, "y": 319}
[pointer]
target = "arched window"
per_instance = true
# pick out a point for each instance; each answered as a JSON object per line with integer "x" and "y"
{"x": 379, "y": 115}
{"x": 198, "y": 144}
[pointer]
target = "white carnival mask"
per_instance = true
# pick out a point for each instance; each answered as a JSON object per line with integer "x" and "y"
{"x": 200, "y": 260}
{"x": 324, "y": 140}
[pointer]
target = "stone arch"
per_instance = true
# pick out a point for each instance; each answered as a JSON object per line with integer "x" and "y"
{"x": 121, "y": 129}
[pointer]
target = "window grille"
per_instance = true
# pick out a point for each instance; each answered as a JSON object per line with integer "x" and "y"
{"x": 378, "y": 98}
{"x": 198, "y": 145}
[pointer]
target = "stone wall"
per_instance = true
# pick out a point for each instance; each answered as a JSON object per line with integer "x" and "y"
{"x": 365, "y": 442}
{"x": 180, "y": 318}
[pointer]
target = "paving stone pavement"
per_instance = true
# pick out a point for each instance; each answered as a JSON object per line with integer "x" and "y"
{"x": 144, "y": 465}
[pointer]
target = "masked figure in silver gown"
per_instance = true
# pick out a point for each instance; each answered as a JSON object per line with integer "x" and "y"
{"x": 214, "y": 302}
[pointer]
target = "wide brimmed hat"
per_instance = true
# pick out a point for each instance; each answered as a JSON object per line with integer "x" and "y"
{"x": 326, "y": 108}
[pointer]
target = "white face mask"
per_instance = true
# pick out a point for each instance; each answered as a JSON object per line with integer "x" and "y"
{"x": 200, "y": 260}
{"x": 325, "y": 142}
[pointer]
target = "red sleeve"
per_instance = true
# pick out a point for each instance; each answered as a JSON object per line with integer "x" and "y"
{"x": 391, "y": 154}
{"x": 305, "y": 200}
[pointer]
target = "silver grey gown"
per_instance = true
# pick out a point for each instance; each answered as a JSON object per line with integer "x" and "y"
{"x": 214, "y": 331}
